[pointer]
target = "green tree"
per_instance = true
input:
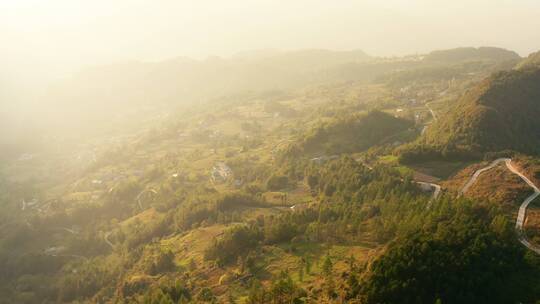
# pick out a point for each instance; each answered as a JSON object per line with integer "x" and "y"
{"x": 206, "y": 295}
{"x": 308, "y": 265}
{"x": 327, "y": 266}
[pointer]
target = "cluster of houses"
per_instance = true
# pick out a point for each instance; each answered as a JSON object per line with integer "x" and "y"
{"x": 32, "y": 204}
{"x": 54, "y": 250}
{"x": 35, "y": 204}
{"x": 25, "y": 157}
{"x": 220, "y": 172}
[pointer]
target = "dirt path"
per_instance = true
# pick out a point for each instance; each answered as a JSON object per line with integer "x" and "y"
{"x": 522, "y": 208}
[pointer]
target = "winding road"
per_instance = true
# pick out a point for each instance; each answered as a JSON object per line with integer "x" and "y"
{"x": 71, "y": 256}
{"x": 423, "y": 130}
{"x": 432, "y": 113}
{"x": 106, "y": 238}
{"x": 72, "y": 231}
{"x": 435, "y": 118}
{"x": 477, "y": 173}
{"x": 437, "y": 188}
{"x": 522, "y": 208}
{"x": 143, "y": 192}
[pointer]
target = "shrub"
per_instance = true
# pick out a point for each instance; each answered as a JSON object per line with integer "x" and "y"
{"x": 277, "y": 182}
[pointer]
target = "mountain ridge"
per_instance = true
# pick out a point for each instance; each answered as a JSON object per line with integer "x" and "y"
{"x": 499, "y": 113}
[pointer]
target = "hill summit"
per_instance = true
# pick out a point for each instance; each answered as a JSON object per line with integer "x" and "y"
{"x": 464, "y": 54}
{"x": 532, "y": 61}
{"x": 499, "y": 113}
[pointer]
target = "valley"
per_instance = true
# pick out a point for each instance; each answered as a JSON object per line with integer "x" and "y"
{"x": 367, "y": 174}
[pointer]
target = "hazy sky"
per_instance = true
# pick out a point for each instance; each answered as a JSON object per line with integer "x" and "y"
{"x": 55, "y": 36}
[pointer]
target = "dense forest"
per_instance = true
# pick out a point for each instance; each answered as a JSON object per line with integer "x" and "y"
{"x": 456, "y": 251}
{"x": 350, "y": 133}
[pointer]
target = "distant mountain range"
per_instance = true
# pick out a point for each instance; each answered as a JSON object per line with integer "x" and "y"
{"x": 134, "y": 91}
{"x": 185, "y": 80}
{"x": 181, "y": 80}
{"x": 471, "y": 54}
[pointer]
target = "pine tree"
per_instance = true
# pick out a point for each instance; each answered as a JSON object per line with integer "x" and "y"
{"x": 352, "y": 263}
{"x": 230, "y": 298}
{"x": 327, "y": 266}
{"x": 256, "y": 293}
{"x": 308, "y": 265}
{"x": 241, "y": 264}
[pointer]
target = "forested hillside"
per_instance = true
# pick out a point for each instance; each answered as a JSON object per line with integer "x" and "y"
{"x": 270, "y": 152}
{"x": 354, "y": 133}
{"x": 532, "y": 61}
{"x": 290, "y": 191}
{"x": 500, "y": 113}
